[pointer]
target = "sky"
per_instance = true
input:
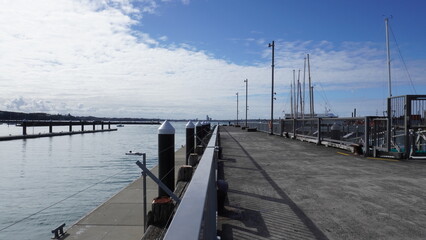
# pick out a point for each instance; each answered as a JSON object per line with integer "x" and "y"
{"x": 178, "y": 59}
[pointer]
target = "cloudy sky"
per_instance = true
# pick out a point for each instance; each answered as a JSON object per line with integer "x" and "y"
{"x": 188, "y": 58}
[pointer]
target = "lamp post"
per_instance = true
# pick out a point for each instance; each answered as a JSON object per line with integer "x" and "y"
{"x": 272, "y": 89}
{"x": 237, "y": 108}
{"x": 246, "y": 81}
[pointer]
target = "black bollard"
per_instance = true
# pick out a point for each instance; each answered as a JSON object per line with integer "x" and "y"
{"x": 190, "y": 128}
{"x": 166, "y": 157}
{"x": 198, "y": 133}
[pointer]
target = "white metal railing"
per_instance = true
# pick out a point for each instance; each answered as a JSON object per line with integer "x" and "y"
{"x": 196, "y": 213}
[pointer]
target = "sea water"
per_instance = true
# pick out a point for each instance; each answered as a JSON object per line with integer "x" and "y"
{"x": 45, "y": 182}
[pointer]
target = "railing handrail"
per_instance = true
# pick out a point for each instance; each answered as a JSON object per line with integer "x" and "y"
{"x": 188, "y": 219}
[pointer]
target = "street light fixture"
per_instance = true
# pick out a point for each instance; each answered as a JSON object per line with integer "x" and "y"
{"x": 237, "y": 108}
{"x": 272, "y": 89}
{"x": 246, "y": 81}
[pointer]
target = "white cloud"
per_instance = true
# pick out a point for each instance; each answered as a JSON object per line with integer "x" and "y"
{"x": 84, "y": 58}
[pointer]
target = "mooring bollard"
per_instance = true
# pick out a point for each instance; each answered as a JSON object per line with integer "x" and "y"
{"x": 166, "y": 157}
{"x": 190, "y": 128}
{"x": 198, "y": 132}
{"x": 193, "y": 159}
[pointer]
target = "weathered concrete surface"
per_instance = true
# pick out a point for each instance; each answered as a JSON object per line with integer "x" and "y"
{"x": 285, "y": 189}
{"x": 121, "y": 217}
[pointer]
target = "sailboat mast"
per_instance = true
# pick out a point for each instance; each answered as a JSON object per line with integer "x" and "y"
{"x": 299, "y": 93}
{"x": 388, "y": 56}
{"x": 291, "y": 97}
{"x": 294, "y": 94}
{"x": 311, "y": 102}
{"x": 303, "y": 103}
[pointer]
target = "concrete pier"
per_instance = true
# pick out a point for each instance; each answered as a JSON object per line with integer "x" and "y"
{"x": 285, "y": 189}
{"x": 121, "y": 217}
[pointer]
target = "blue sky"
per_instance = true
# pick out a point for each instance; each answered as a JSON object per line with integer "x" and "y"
{"x": 188, "y": 58}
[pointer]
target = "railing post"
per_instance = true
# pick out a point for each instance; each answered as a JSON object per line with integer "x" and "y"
{"x": 367, "y": 136}
{"x": 70, "y": 127}
{"x": 50, "y": 126}
{"x": 166, "y": 157}
{"x": 389, "y": 125}
{"x": 190, "y": 127}
{"x": 82, "y": 126}
{"x": 407, "y": 124}
{"x": 319, "y": 132}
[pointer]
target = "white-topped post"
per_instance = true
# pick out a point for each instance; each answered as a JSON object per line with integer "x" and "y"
{"x": 166, "y": 157}
{"x": 190, "y": 130}
{"x": 198, "y": 133}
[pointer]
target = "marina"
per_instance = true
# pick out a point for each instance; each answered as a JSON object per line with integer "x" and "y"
{"x": 277, "y": 188}
{"x": 135, "y": 120}
{"x": 76, "y": 172}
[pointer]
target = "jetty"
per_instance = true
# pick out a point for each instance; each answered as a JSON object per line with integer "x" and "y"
{"x": 280, "y": 188}
{"x": 120, "y": 217}
{"x": 251, "y": 184}
{"x": 52, "y": 134}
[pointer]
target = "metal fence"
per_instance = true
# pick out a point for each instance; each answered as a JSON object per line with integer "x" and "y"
{"x": 195, "y": 218}
{"x": 407, "y": 125}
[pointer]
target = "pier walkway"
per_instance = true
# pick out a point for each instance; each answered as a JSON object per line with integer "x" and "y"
{"x": 285, "y": 189}
{"x": 121, "y": 217}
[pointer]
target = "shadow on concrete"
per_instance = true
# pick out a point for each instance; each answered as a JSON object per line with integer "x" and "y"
{"x": 317, "y": 233}
{"x": 251, "y": 219}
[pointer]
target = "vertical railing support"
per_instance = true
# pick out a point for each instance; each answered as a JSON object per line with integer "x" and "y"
{"x": 50, "y": 126}
{"x": 70, "y": 126}
{"x": 319, "y": 132}
{"x": 389, "y": 125}
{"x": 407, "y": 125}
{"x": 367, "y": 136}
{"x": 294, "y": 128}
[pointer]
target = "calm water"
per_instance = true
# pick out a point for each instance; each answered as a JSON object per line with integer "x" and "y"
{"x": 77, "y": 173}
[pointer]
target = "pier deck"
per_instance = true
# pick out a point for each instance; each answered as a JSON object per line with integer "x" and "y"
{"x": 285, "y": 189}
{"x": 121, "y": 217}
